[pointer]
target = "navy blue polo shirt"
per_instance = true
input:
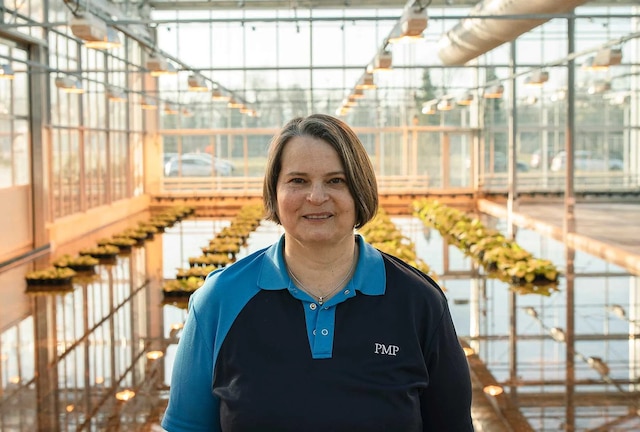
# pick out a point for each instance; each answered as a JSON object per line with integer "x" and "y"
{"x": 258, "y": 354}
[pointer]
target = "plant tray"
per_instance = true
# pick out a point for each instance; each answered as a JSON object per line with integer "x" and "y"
{"x": 49, "y": 282}
{"x": 538, "y": 280}
{"x": 105, "y": 256}
{"x": 86, "y": 277}
{"x": 177, "y": 293}
{"x": 179, "y": 302}
{"x": 188, "y": 276}
{"x": 49, "y": 289}
{"x": 82, "y": 267}
{"x": 101, "y": 256}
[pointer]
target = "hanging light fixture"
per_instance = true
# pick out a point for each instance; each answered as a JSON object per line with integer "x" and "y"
{"x": 110, "y": 41}
{"x": 599, "y": 86}
{"x": 158, "y": 66}
{"x": 465, "y": 99}
{"x": 356, "y": 94}
{"x": 125, "y": 395}
{"x": 493, "y": 390}
{"x": 234, "y": 103}
{"x": 349, "y": 102}
{"x": 445, "y": 104}
{"x": 558, "y": 334}
{"x": 88, "y": 27}
{"x": 6, "y": 71}
{"x": 411, "y": 25}
{"x": 537, "y": 78}
{"x": 598, "y": 365}
{"x": 69, "y": 84}
{"x": 343, "y": 111}
{"x": 115, "y": 94}
{"x": 494, "y": 92}
{"x": 430, "y": 107}
{"x": 170, "y": 109}
{"x": 382, "y": 61}
{"x": 218, "y": 94}
{"x": 603, "y": 59}
{"x": 531, "y": 312}
{"x": 197, "y": 83}
{"x": 148, "y": 104}
{"x": 155, "y": 355}
{"x": 366, "y": 82}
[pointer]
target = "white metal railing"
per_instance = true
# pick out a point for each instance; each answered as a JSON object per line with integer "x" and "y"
{"x": 529, "y": 182}
{"x": 252, "y": 186}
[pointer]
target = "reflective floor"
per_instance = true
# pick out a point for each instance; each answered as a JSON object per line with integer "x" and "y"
{"x": 569, "y": 361}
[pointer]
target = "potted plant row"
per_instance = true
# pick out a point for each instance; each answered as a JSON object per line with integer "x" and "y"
{"x": 499, "y": 256}
{"x": 221, "y": 252}
{"x": 101, "y": 252}
{"x": 52, "y": 276}
{"x": 80, "y": 263}
{"x": 182, "y": 287}
{"x": 383, "y": 234}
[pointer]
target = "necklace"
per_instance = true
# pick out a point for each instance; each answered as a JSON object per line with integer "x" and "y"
{"x": 321, "y": 299}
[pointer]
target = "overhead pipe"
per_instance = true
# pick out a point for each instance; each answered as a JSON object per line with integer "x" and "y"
{"x": 480, "y": 32}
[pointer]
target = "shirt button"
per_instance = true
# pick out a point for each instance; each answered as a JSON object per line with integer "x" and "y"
{"x": 312, "y": 306}
{"x": 314, "y": 332}
{"x": 324, "y": 332}
{"x": 347, "y": 291}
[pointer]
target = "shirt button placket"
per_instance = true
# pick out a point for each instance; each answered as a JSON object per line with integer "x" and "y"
{"x": 324, "y": 331}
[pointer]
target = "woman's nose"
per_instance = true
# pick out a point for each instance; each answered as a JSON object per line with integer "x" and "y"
{"x": 317, "y": 194}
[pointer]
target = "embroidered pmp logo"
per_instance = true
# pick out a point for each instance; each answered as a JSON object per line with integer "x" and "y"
{"x": 386, "y": 349}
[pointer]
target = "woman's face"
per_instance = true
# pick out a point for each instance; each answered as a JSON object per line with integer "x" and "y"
{"x": 313, "y": 199}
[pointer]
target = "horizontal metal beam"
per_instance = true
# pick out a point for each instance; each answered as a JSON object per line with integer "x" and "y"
{"x": 299, "y": 4}
{"x": 325, "y": 4}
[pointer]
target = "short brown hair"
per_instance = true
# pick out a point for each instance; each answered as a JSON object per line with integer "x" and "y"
{"x": 361, "y": 177}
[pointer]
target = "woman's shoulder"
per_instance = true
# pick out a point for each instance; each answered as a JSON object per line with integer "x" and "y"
{"x": 403, "y": 275}
{"x": 232, "y": 281}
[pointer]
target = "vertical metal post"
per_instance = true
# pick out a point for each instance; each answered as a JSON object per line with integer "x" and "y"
{"x": 569, "y": 227}
{"x": 569, "y": 223}
{"x": 312, "y": 107}
{"x": 513, "y": 134}
{"x": 570, "y": 415}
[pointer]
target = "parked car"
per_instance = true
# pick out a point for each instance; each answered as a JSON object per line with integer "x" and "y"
{"x": 500, "y": 163}
{"x": 585, "y": 160}
{"x": 198, "y": 165}
{"x": 536, "y": 158}
{"x": 166, "y": 157}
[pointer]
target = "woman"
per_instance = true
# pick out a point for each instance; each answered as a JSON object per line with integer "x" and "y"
{"x": 320, "y": 331}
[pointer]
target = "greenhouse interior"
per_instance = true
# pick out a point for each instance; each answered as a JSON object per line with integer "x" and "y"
{"x": 504, "y": 135}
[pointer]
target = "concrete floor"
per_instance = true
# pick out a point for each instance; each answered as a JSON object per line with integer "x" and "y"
{"x": 608, "y": 230}
{"x": 604, "y": 229}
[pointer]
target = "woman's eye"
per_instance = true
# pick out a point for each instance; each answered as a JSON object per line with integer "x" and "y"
{"x": 337, "y": 180}
{"x": 297, "y": 180}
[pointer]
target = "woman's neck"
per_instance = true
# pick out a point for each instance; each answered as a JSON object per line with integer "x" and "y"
{"x": 319, "y": 269}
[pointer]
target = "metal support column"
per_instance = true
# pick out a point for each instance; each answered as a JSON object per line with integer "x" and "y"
{"x": 512, "y": 203}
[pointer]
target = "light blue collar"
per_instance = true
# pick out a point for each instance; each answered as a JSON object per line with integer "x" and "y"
{"x": 369, "y": 277}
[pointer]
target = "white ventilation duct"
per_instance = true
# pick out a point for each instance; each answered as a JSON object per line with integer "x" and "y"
{"x": 475, "y": 35}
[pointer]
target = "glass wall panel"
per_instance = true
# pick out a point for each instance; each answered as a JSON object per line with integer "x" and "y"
{"x": 120, "y": 160}
{"x": 429, "y": 158}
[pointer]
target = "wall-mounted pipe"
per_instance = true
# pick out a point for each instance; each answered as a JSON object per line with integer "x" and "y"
{"x": 475, "y": 35}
